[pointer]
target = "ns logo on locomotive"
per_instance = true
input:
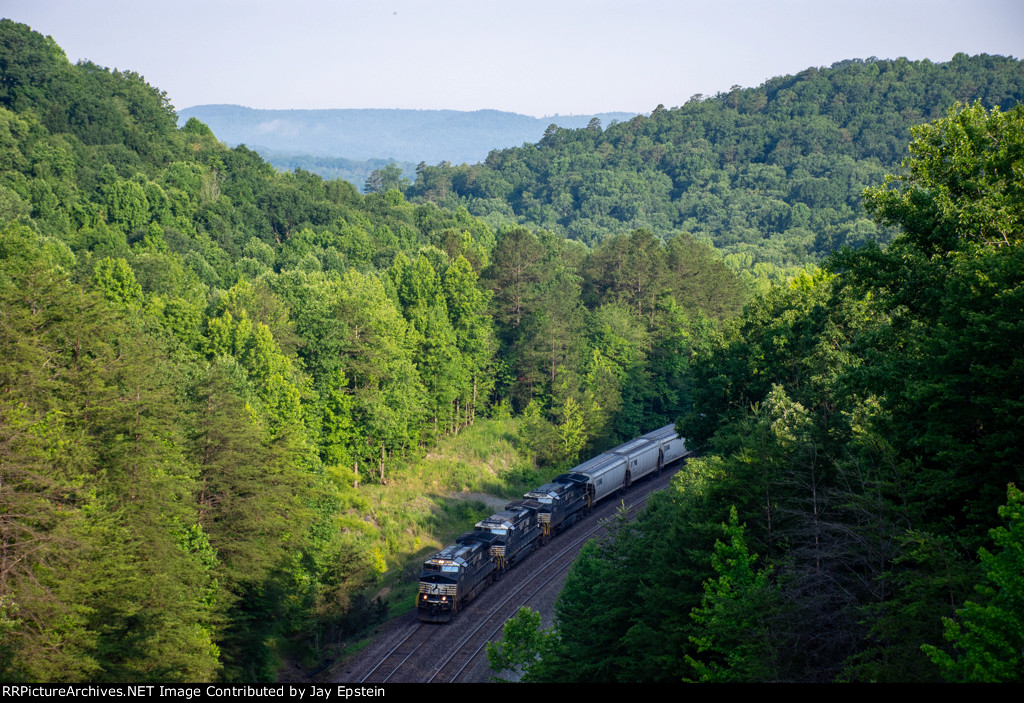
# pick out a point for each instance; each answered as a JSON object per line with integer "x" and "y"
{"x": 455, "y": 575}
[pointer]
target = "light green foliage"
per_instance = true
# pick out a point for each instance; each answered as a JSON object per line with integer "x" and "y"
{"x": 116, "y": 281}
{"x": 554, "y": 344}
{"x": 269, "y": 373}
{"x": 573, "y": 431}
{"x": 734, "y": 632}
{"x": 622, "y": 341}
{"x": 261, "y": 252}
{"x": 962, "y": 181}
{"x": 521, "y": 646}
{"x": 153, "y": 241}
{"x": 378, "y": 361}
{"x": 337, "y": 430}
{"x": 437, "y": 358}
{"x": 127, "y": 205}
{"x": 474, "y": 333}
{"x": 539, "y": 435}
{"x": 602, "y": 396}
{"x": 988, "y": 635}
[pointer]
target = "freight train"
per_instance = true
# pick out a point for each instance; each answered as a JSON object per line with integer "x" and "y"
{"x": 455, "y": 575}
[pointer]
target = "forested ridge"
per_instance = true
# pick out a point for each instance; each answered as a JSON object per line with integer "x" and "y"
{"x": 771, "y": 175}
{"x": 857, "y": 514}
{"x": 206, "y": 365}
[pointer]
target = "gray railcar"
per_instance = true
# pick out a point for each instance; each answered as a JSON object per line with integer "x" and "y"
{"x": 672, "y": 446}
{"x": 605, "y": 473}
{"x": 641, "y": 456}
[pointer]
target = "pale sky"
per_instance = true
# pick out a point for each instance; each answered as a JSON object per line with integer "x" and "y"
{"x": 537, "y": 57}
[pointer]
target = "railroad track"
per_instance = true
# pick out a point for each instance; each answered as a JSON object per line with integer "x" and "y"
{"x": 472, "y": 644}
{"x": 398, "y": 655}
{"x": 448, "y": 653}
{"x": 490, "y": 627}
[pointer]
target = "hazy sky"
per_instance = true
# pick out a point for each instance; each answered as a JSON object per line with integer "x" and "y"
{"x": 538, "y": 57}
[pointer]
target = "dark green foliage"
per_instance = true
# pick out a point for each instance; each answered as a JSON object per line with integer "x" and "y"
{"x": 522, "y": 645}
{"x": 594, "y": 609}
{"x": 97, "y": 581}
{"x": 864, "y": 423}
{"x": 960, "y": 186}
{"x": 597, "y": 343}
{"x": 952, "y": 287}
{"x": 988, "y": 640}
{"x": 195, "y": 351}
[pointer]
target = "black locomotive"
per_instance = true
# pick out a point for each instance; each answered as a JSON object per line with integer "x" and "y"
{"x": 455, "y": 575}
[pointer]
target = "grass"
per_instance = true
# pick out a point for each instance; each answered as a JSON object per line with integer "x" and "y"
{"x": 428, "y": 501}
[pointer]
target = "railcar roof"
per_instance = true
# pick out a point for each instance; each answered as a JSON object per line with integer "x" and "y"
{"x": 599, "y": 462}
{"x": 571, "y": 478}
{"x": 662, "y": 433}
{"x": 633, "y": 446}
{"x": 505, "y": 518}
{"x": 477, "y": 538}
{"x": 598, "y": 465}
{"x": 457, "y": 553}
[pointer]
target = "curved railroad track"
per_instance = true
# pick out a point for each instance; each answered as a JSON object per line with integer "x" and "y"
{"x": 455, "y": 651}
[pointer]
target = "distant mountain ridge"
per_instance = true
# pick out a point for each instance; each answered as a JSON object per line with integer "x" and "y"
{"x": 432, "y": 136}
{"x": 770, "y": 174}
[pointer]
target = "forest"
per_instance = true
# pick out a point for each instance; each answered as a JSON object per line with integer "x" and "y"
{"x": 206, "y": 364}
{"x": 856, "y": 514}
{"x": 772, "y": 175}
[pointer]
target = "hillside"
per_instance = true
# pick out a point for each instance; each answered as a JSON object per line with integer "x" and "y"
{"x": 856, "y": 513}
{"x": 235, "y": 404}
{"x": 768, "y": 174}
{"x": 223, "y": 388}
